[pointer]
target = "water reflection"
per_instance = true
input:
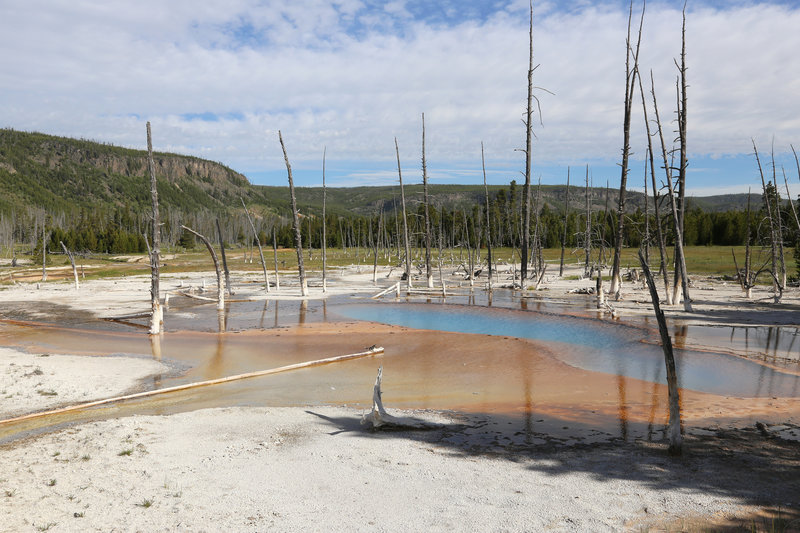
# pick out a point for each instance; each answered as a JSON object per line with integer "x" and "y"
{"x": 596, "y": 346}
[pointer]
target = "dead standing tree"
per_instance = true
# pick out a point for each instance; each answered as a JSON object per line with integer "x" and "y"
{"x": 324, "y": 226}
{"x": 564, "y": 234}
{"x": 156, "y": 316}
{"x": 662, "y": 249}
{"x": 488, "y": 225}
{"x": 220, "y": 283}
{"x": 72, "y": 262}
{"x": 405, "y": 217}
{"x": 674, "y": 429}
{"x": 680, "y": 259}
{"x": 428, "y": 271}
{"x": 298, "y": 240}
{"x": 774, "y": 230}
{"x": 631, "y": 73}
{"x": 526, "y": 191}
{"x": 224, "y": 260}
{"x": 258, "y": 242}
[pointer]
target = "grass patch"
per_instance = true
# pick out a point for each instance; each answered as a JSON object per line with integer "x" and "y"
{"x": 51, "y": 483}
{"x": 126, "y": 451}
{"x": 46, "y": 526}
{"x": 145, "y": 503}
{"x": 48, "y": 392}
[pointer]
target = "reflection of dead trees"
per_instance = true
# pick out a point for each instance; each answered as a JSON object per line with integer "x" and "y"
{"x": 674, "y": 429}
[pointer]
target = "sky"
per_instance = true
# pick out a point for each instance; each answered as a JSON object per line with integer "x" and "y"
{"x": 217, "y": 79}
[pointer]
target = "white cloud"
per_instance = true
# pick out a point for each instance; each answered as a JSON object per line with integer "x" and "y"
{"x": 351, "y": 76}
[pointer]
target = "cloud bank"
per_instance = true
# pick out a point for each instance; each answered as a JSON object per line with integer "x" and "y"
{"x": 218, "y": 78}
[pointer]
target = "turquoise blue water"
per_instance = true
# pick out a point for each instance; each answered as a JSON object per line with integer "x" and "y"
{"x": 591, "y": 345}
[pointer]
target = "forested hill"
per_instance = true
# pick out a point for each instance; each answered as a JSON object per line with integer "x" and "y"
{"x": 63, "y": 175}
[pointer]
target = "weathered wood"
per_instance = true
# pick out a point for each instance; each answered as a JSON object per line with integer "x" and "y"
{"x": 275, "y": 257}
{"x": 526, "y": 190}
{"x": 220, "y": 282}
{"x": 405, "y": 217}
{"x": 428, "y": 271}
{"x": 564, "y": 234}
{"x": 488, "y": 224}
{"x": 324, "y": 226}
{"x": 44, "y": 252}
{"x": 631, "y": 72}
{"x": 662, "y": 247}
{"x": 224, "y": 260}
{"x": 378, "y": 417}
{"x": 156, "y": 316}
{"x": 258, "y": 242}
{"x": 680, "y": 258}
{"x": 72, "y": 261}
{"x": 674, "y": 430}
{"x": 318, "y": 362}
{"x": 298, "y": 239}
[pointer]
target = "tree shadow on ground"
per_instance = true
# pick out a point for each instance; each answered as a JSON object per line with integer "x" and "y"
{"x": 741, "y": 463}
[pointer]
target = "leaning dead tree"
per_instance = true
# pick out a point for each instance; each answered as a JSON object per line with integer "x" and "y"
{"x": 674, "y": 428}
{"x": 72, "y": 262}
{"x": 405, "y": 218}
{"x": 631, "y": 73}
{"x": 298, "y": 240}
{"x": 156, "y": 316}
{"x": 220, "y": 282}
{"x": 258, "y": 242}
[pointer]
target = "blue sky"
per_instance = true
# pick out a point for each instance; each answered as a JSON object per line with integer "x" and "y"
{"x": 218, "y": 79}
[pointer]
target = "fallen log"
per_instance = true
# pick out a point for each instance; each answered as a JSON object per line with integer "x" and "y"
{"x": 372, "y": 350}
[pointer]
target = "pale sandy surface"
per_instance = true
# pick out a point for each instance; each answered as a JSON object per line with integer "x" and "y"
{"x": 37, "y": 382}
{"x": 316, "y": 470}
{"x": 301, "y": 469}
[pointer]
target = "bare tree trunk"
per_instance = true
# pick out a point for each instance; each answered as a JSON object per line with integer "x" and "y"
{"x": 674, "y": 430}
{"x": 682, "y": 113}
{"x": 220, "y": 282}
{"x": 44, "y": 251}
{"x": 72, "y": 261}
{"x": 587, "y": 244}
{"x": 662, "y": 247}
{"x": 564, "y": 235}
{"x": 428, "y": 271}
{"x": 275, "y": 258}
{"x": 526, "y": 223}
{"x": 156, "y": 317}
{"x": 258, "y": 242}
{"x": 680, "y": 259}
{"x": 789, "y": 194}
{"x": 488, "y": 222}
{"x": 324, "y": 226}
{"x": 630, "y": 80}
{"x": 772, "y": 231}
{"x": 405, "y": 217}
{"x": 224, "y": 260}
{"x": 298, "y": 240}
